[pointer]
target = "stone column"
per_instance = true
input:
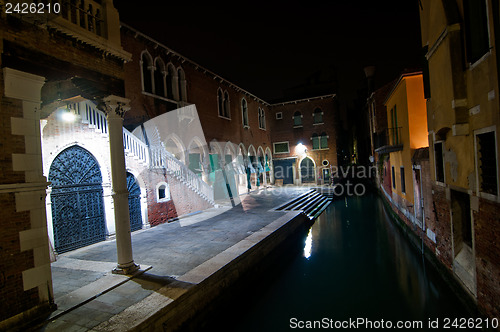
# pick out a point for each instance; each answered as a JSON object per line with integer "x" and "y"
{"x": 115, "y": 108}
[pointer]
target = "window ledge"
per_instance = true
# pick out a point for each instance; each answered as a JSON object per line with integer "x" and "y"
{"x": 319, "y": 123}
{"x": 478, "y": 62}
{"x": 490, "y": 197}
{"x": 298, "y": 126}
{"x": 262, "y": 128}
{"x": 246, "y": 127}
{"x": 225, "y": 118}
{"x": 321, "y": 149}
{"x": 440, "y": 184}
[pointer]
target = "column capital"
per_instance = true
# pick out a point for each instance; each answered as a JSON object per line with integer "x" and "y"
{"x": 116, "y": 106}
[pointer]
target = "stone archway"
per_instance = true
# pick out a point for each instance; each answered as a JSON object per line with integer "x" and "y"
{"x": 307, "y": 171}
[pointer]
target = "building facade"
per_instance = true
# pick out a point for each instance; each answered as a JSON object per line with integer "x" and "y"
{"x": 46, "y": 61}
{"x": 304, "y": 140}
{"x": 459, "y": 39}
{"x": 377, "y": 123}
{"x": 406, "y": 133}
{"x": 234, "y": 128}
{"x": 106, "y": 131}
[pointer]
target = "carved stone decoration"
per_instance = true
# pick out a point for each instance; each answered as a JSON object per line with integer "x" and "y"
{"x": 115, "y": 105}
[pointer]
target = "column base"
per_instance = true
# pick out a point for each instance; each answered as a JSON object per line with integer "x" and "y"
{"x": 126, "y": 269}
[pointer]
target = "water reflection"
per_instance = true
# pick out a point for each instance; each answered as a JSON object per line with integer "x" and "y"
{"x": 308, "y": 244}
{"x": 359, "y": 266}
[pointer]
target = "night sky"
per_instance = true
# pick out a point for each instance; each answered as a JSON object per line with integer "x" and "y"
{"x": 268, "y": 47}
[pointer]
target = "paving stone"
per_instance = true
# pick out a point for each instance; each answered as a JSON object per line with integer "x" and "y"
{"x": 171, "y": 249}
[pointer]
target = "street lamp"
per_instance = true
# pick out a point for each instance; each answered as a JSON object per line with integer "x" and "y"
{"x": 300, "y": 148}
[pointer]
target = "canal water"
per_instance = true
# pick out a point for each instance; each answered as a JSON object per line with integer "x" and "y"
{"x": 354, "y": 264}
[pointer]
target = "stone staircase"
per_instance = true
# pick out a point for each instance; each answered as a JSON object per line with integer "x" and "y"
{"x": 147, "y": 157}
{"x": 161, "y": 158}
{"x": 311, "y": 203}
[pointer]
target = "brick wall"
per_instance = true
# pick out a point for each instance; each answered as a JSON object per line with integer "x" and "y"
{"x": 183, "y": 200}
{"x": 487, "y": 248}
{"x": 442, "y": 217}
{"x": 201, "y": 89}
{"x": 10, "y": 143}
{"x": 13, "y": 262}
{"x": 386, "y": 176}
{"x": 282, "y": 129}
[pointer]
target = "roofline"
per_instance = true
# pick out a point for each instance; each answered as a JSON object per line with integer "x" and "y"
{"x": 401, "y": 77}
{"x": 196, "y": 65}
{"x": 218, "y": 77}
{"x": 332, "y": 95}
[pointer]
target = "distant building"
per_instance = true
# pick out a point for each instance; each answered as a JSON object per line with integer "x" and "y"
{"x": 406, "y": 133}
{"x": 377, "y": 123}
{"x": 304, "y": 141}
{"x": 460, "y": 41}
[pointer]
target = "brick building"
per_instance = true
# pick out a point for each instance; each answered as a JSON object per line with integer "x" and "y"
{"x": 377, "y": 123}
{"x": 106, "y": 131}
{"x": 304, "y": 140}
{"x": 47, "y": 61}
{"x": 459, "y": 39}
{"x": 233, "y": 121}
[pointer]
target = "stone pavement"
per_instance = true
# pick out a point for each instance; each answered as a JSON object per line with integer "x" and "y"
{"x": 88, "y": 295}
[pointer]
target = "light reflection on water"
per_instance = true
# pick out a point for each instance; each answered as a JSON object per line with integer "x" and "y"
{"x": 308, "y": 244}
{"x": 354, "y": 263}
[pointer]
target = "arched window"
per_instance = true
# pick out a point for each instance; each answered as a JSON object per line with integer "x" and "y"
{"x": 244, "y": 112}
{"x": 319, "y": 141}
{"x": 146, "y": 71}
{"x": 181, "y": 77}
{"x": 162, "y": 192}
{"x": 323, "y": 141}
{"x": 227, "y": 113}
{"x": 159, "y": 75}
{"x": 171, "y": 82}
{"x": 262, "y": 119}
{"x": 315, "y": 141}
{"x": 297, "y": 119}
{"x": 220, "y": 102}
{"x": 318, "y": 116}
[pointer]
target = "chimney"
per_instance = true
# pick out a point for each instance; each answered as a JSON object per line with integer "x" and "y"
{"x": 370, "y": 73}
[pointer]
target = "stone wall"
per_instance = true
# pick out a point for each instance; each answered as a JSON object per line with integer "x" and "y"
{"x": 487, "y": 247}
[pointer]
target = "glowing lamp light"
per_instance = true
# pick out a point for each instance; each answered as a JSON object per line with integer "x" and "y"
{"x": 301, "y": 148}
{"x": 67, "y": 115}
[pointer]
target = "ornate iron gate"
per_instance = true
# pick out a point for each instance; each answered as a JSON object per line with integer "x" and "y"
{"x": 134, "y": 203}
{"x": 77, "y": 204}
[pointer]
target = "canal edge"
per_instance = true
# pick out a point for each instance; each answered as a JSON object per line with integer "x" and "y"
{"x": 172, "y": 306}
{"x": 415, "y": 241}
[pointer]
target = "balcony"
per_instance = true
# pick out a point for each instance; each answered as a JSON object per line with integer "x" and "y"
{"x": 389, "y": 141}
{"x": 92, "y": 22}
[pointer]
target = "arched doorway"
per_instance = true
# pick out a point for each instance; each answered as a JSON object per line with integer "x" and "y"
{"x": 77, "y": 204}
{"x": 307, "y": 170}
{"x": 134, "y": 202}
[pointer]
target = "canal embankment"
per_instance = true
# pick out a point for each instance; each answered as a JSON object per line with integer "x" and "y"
{"x": 354, "y": 265}
{"x": 172, "y": 306}
{"x": 185, "y": 266}
{"x": 416, "y": 237}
